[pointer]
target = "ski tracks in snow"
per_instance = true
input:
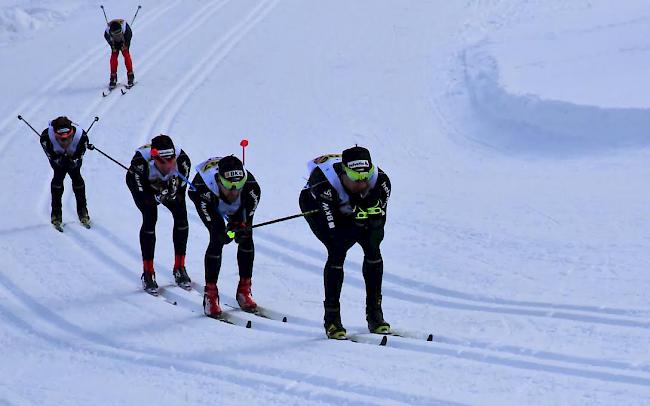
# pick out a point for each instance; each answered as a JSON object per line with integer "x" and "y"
{"x": 108, "y": 251}
{"x": 464, "y": 349}
{"x": 485, "y": 351}
{"x": 168, "y": 108}
{"x": 9, "y": 127}
{"x": 422, "y": 292}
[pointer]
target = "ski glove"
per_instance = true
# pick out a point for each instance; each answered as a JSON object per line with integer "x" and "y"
{"x": 165, "y": 197}
{"x": 241, "y": 232}
{"x": 224, "y": 238}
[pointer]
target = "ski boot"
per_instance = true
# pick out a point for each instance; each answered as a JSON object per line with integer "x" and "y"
{"x": 375, "y": 317}
{"x": 57, "y": 220}
{"x": 211, "y": 306}
{"x": 84, "y": 218}
{"x": 149, "y": 283}
{"x": 333, "y": 327}
{"x": 130, "y": 77}
{"x": 181, "y": 278}
{"x": 112, "y": 83}
{"x": 244, "y": 295}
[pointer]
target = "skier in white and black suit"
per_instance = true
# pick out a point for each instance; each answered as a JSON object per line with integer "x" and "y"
{"x": 65, "y": 148}
{"x": 158, "y": 175}
{"x": 351, "y": 196}
{"x": 226, "y": 198}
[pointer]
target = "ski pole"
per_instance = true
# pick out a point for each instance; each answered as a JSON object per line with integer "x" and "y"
{"x": 307, "y": 213}
{"x": 180, "y": 175}
{"x": 244, "y": 144}
{"x": 136, "y": 14}
{"x": 92, "y": 124}
{"x": 94, "y": 148}
{"x": 104, "y": 11}
{"x": 30, "y": 126}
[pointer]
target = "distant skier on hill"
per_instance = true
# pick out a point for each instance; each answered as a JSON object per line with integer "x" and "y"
{"x": 118, "y": 34}
{"x": 351, "y": 194}
{"x": 226, "y": 197}
{"x": 157, "y": 176}
{"x": 65, "y": 148}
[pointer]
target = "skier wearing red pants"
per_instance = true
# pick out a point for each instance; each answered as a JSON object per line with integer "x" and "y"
{"x": 118, "y": 35}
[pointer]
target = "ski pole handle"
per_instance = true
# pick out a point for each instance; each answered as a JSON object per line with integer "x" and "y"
{"x": 30, "y": 126}
{"x": 136, "y": 14}
{"x": 104, "y": 11}
{"x": 92, "y": 124}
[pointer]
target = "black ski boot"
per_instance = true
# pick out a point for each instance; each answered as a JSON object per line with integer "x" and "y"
{"x": 375, "y": 317}
{"x": 182, "y": 279}
{"x": 112, "y": 82}
{"x": 130, "y": 79}
{"x": 57, "y": 220}
{"x": 333, "y": 327}
{"x": 84, "y": 218}
{"x": 149, "y": 283}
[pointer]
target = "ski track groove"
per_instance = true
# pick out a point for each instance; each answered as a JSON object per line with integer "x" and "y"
{"x": 30, "y": 107}
{"x": 325, "y": 385}
{"x": 449, "y": 347}
{"x": 165, "y": 45}
{"x": 152, "y": 58}
{"x": 479, "y": 351}
{"x": 185, "y": 87}
{"x": 481, "y": 303}
{"x": 227, "y": 370}
{"x": 467, "y": 346}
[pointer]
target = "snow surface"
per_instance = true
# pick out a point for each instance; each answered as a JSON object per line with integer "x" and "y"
{"x": 514, "y": 133}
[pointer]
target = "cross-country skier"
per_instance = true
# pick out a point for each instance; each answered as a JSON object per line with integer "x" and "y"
{"x": 226, "y": 197}
{"x": 118, "y": 34}
{"x": 158, "y": 175}
{"x": 351, "y": 195}
{"x": 65, "y": 148}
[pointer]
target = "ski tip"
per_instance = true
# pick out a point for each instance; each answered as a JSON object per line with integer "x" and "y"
{"x": 284, "y": 319}
{"x": 249, "y": 324}
{"x": 430, "y": 337}
{"x": 384, "y": 340}
{"x": 123, "y": 92}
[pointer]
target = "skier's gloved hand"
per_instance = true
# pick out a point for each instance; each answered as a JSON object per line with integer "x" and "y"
{"x": 225, "y": 238}
{"x": 242, "y": 232}
{"x": 72, "y": 163}
{"x": 360, "y": 217}
{"x": 172, "y": 186}
{"x": 164, "y": 197}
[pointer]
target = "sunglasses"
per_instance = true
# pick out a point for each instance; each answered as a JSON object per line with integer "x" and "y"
{"x": 63, "y": 133}
{"x": 238, "y": 185}
{"x": 359, "y": 176}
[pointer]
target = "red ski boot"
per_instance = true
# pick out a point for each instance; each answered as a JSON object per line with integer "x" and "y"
{"x": 211, "y": 300}
{"x": 244, "y": 296}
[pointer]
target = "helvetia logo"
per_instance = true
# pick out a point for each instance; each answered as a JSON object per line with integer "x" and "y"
{"x": 359, "y": 163}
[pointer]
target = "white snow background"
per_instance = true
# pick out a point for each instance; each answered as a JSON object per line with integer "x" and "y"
{"x": 515, "y": 133}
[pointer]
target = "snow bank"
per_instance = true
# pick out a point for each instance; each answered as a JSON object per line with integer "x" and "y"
{"x": 531, "y": 124}
{"x": 17, "y": 21}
